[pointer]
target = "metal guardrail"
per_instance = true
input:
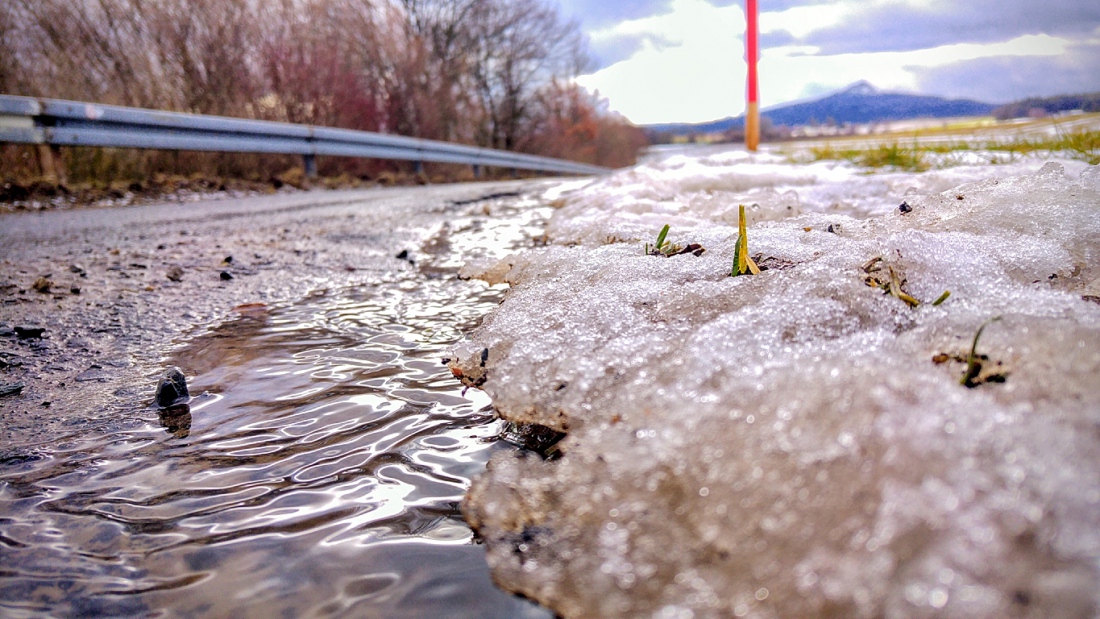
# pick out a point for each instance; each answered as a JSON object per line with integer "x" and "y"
{"x": 56, "y": 122}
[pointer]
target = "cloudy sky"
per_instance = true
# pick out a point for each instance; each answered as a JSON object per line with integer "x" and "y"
{"x": 683, "y": 60}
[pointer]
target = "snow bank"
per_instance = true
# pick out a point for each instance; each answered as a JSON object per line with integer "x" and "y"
{"x": 798, "y": 443}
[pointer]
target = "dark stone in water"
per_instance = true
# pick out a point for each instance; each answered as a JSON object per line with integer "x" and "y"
{"x": 905, "y": 208}
{"x": 226, "y": 276}
{"x": 172, "y": 388}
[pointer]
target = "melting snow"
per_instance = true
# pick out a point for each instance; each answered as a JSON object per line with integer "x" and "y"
{"x": 785, "y": 444}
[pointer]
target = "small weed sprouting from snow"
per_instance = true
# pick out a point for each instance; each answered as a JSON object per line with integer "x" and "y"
{"x": 979, "y": 368}
{"x": 743, "y": 264}
{"x": 660, "y": 247}
{"x": 888, "y": 280}
{"x": 892, "y": 281}
{"x": 666, "y": 248}
{"x": 972, "y": 378}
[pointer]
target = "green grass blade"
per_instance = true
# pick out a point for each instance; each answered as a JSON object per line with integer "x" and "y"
{"x": 661, "y": 237}
{"x": 973, "y": 365}
{"x": 742, "y": 263}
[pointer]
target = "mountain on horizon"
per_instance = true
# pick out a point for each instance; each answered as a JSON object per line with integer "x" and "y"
{"x": 860, "y": 102}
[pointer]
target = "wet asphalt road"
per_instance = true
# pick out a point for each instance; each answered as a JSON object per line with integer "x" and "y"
{"x": 115, "y": 291}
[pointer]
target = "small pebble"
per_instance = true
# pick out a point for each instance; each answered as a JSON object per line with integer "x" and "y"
{"x": 29, "y": 332}
{"x": 11, "y": 389}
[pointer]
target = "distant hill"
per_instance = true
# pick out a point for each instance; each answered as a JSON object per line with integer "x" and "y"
{"x": 1050, "y": 105}
{"x": 859, "y": 103}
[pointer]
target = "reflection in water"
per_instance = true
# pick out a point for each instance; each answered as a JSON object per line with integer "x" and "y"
{"x": 319, "y": 474}
{"x": 176, "y": 420}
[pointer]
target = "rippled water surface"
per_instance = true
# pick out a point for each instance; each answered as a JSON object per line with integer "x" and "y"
{"x": 318, "y": 473}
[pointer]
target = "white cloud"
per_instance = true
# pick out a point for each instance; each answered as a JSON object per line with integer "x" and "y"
{"x": 802, "y": 20}
{"x": 697, "y": 72}
{"x": 791, "y": 73}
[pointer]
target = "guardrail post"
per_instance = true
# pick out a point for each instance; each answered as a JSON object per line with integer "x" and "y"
{"x": 418, "y": 167}
{"x": 49, "y": 159}
{"x": 477, "y": 171}
{"x": 310, "y": 161}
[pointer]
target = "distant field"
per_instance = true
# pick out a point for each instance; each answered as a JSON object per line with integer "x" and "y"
{"x": 1076, "y": 136}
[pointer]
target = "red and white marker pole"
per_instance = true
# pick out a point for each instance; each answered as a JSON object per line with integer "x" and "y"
{"x": 752, "y": 54}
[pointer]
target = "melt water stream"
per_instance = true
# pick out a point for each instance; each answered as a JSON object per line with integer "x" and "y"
{"x": 318, "y": 471}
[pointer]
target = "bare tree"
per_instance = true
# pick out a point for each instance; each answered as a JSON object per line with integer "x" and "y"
{"x": 519, "y": 46}
{"x": 10, "y": 78}
{"x": 207, "y": 55}
{"x": 441, "y": 28}
{"x": 69, "y": 54}
{"x": 489, "y": 57}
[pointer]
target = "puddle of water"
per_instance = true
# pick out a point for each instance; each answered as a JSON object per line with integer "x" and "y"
{"x": 319, "y": 474}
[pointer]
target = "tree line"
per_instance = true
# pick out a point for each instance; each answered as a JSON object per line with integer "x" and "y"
{"x": 1089, "y": 102}
{"x": 493, "y": 73}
